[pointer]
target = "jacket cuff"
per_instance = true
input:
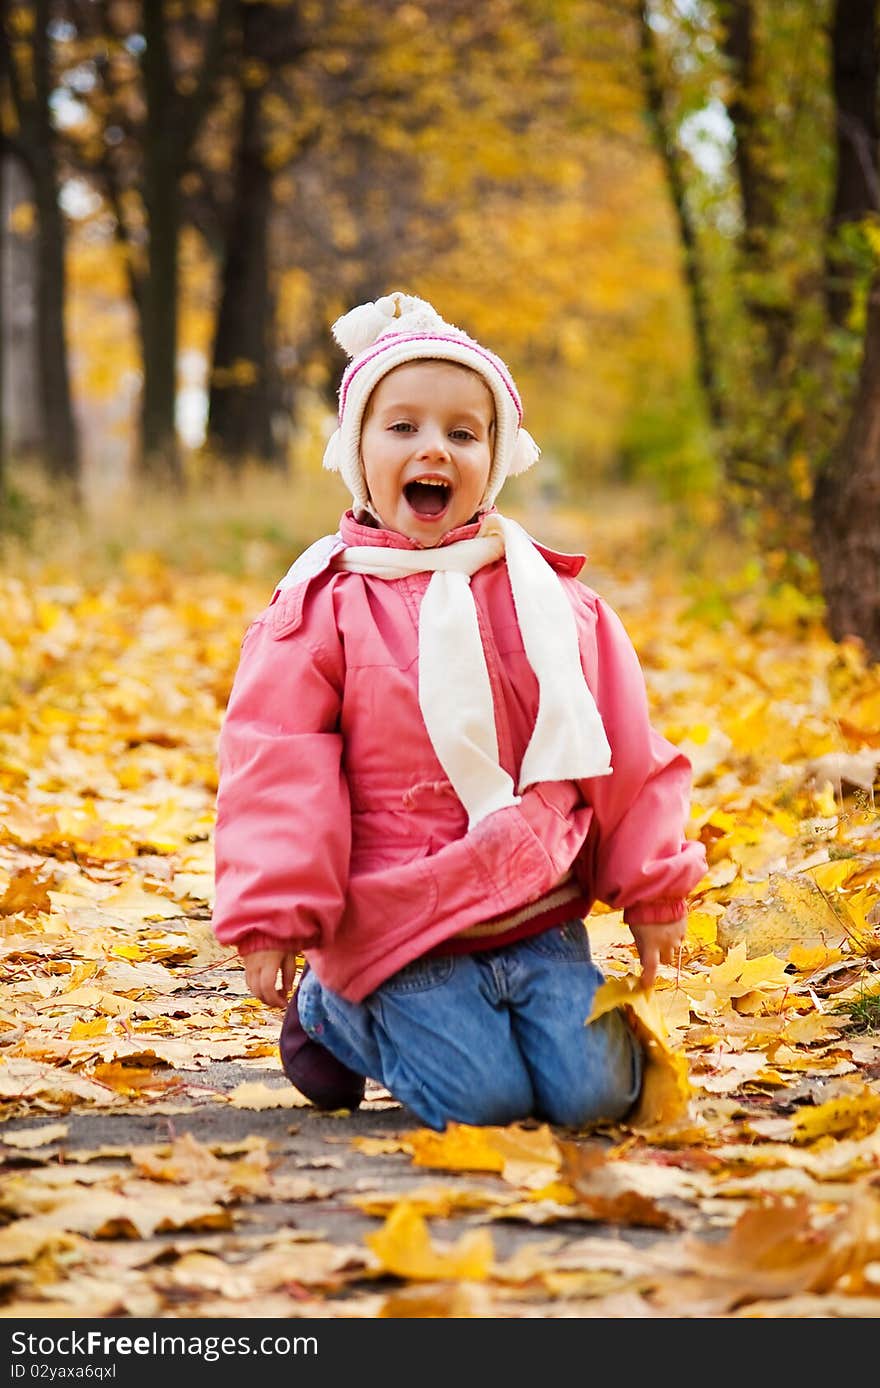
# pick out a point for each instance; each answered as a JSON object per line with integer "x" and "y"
{"x": 256, "y": 939}
{"x": 656, "y": 912}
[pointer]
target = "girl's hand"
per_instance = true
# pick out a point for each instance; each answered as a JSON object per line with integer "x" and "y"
{"x": 261, "y": 970}
{"x": 657, "y": 943}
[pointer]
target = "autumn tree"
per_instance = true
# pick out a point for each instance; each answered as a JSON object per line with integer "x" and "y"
{"x": 752, "y": 231}
{"x": 29, "y": 86}
{"x": 150, "y": 74}
{"x": 233, "y": 124}
{"x": 342, "y": 118}
{"x": 425, "y": 169}
{"x": 244, "y": 398}
{"x": 794, "y": 334}
{"x": 769, "y": 309}
{"x": 4, "y": 70}
{"x": 363, "y": 148}
{"x": 854, "y": 77}
{"x": 846, "y": 498}
{"x": 676, "y": 173}
{"x": 175, "y": 106}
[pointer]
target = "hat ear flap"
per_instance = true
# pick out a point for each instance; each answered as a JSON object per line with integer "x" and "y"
{"x": 333, "y": 452}
{"x": 525, "y": 454}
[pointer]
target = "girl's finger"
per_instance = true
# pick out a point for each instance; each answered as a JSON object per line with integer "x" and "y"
{"x": 288, "y": 974}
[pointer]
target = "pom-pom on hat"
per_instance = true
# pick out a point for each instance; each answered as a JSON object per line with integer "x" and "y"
{"x": 400, "y": 328}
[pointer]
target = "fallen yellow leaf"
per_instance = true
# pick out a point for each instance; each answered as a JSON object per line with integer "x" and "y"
{"x": 666, "y": 1090}
{"x": 851, "y": 1114}
{"x": 255, "y": 1095}
{"x": 29, "y": 1138}
{"x": 404, "y": 1247}
{"x": 524, "y": 1156}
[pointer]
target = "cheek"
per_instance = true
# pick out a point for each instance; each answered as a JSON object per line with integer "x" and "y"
{"x": 376, "y": 476}
{"x": 385, "y": 489}
{"x": 479, "y": 476}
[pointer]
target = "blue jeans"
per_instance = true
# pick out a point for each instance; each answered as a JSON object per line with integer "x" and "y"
{"x": 488, "y": 1038}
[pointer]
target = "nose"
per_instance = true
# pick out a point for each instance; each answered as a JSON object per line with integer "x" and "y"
{"x": 433, "y": 443}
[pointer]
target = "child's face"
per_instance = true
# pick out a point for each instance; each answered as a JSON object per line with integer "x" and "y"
{"x": 426, "y": 444}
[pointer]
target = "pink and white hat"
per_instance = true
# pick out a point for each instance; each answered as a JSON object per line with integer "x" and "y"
{"x": 399, "y": 328}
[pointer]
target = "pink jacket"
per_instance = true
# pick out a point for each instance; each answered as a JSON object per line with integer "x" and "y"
{"x": 337, "y": 833}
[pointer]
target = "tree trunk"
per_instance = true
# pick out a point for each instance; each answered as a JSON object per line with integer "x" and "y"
{"x": 694, "y": 277}
{"x": 3, "y": 234}
{"x": 846, "y": 496}
{"x": 244, "y": 388}
{"x": 846, "y": 506}
{"x": 738, "y": 42}
{"x": 772, "y": 321}
{"x": 59, "y": 432}
{"x": 161, "y": 457}
{"x": 160, "y": 446}
{"x": 855, "y": 66}
{"x": 171, "y": 128}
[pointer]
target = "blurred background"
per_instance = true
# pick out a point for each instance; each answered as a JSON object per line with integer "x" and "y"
{"x": 663, "y": 215}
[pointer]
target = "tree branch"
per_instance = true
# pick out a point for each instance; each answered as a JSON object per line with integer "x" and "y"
{"x": 195, "y": 106}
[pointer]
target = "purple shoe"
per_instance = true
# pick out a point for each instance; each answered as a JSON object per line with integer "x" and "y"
{"x": 314, "y": 1070}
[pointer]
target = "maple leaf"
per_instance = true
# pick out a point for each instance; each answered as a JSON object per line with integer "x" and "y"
{"x": 189, "y": 1161}
{"x": 404, "y": 1247}
{"x": 610, "y": 1192}
{"x": 26, "y": 893}
{"x": 523, "y": 1156}
{"x": 739, "y": 974}
{"x": 665, "y": 1091}
{"x": 850, "y": 1114}
{"x": 254, "y": 1094}
{"x": 778, "y": 1247}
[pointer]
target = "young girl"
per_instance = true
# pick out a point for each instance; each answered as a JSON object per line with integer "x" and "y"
{"x": 436, "y": 757}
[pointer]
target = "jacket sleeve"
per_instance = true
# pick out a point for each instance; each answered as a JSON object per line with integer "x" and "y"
{"x": 283, "y": 830}
{"x": 636, "y": 857}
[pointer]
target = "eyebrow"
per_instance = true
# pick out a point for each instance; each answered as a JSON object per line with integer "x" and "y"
{"x": 406, "y": 407}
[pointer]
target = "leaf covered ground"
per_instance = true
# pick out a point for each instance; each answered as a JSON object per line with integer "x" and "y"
{"x": 155, "y": 1163}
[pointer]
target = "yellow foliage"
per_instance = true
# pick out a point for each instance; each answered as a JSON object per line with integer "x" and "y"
{"x": 114, "y": 679}
{"x": 405, "y": 1248}
{"x": 665, "y": 1086}
{"x": 807, "y": 960}
{"x": 461, "y": 1147}
{"x": 22, "y": 219}
{"x": 256, "y": 1095}
{"x": 850, "y": 1115}
{"x": 738, "y": 974}
{"x": 702, "y": 928}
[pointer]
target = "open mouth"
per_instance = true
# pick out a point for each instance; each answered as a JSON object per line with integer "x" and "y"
{"x": 428, "y": 496}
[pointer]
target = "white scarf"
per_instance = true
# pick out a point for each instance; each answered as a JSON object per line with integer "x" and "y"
{"x": 568, "y": 741}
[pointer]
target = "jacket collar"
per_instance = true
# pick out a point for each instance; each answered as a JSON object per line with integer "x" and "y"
{"x": 358, "y": 531}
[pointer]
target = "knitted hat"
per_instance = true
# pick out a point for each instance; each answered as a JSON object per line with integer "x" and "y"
{"x": 399, "y": 328}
